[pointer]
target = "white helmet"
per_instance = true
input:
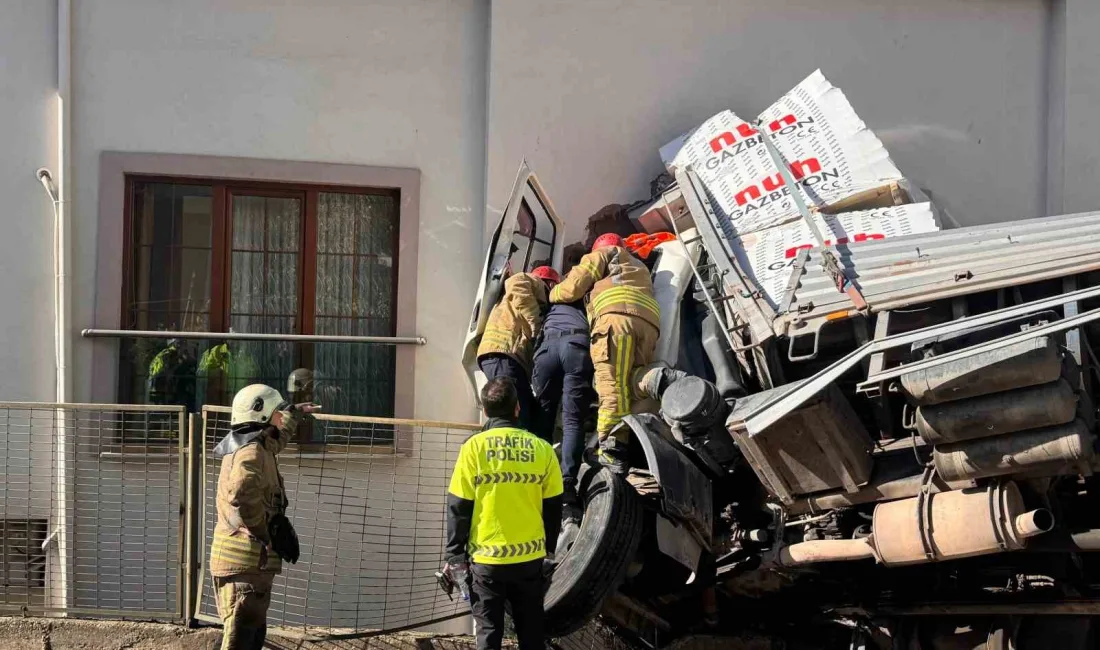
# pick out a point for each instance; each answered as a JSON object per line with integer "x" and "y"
{"x": 255, "y": 404}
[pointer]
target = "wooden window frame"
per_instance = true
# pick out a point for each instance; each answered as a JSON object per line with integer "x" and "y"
{"x": 114, "y": 247}
{"x": 221, "y": 266}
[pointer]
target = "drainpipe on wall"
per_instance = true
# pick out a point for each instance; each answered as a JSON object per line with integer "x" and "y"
{"x": 61, "y": 253}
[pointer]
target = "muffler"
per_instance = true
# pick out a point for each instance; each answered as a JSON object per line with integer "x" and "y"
{"x": 934, "y": 527}
{"x": 955, "y": 524}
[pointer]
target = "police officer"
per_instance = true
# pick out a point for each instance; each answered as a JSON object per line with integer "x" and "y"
{"x": 503, "y": 515}
{"x": 562, "y": 375}
{"x": 251, "y": 536}
{"x": 625, "y": 321}
{"x": 507, "y": 343}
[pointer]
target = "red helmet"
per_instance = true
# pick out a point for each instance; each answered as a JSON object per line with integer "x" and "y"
{"x": 546, "y": 273}
{"x": 605, "y": 240}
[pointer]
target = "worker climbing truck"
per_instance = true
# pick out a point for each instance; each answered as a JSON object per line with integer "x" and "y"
{"x": 900, "y": 448}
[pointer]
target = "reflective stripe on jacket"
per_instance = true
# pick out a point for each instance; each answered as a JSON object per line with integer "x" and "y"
{"x": 250, "y": 492}
{"x": 619, "y": 283}
{"x": 515, "y": 321}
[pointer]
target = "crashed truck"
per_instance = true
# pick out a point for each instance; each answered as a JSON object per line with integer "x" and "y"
{"x": 886, "y": 425}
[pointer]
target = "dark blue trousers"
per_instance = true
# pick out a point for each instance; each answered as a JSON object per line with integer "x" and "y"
{"x": 562, "y": 375}
{"x": 502, "y": 365}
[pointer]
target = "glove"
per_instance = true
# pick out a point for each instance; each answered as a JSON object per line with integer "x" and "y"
{"x": 284, "y": 541}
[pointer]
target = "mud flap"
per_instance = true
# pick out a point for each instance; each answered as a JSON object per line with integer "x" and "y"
{"x": 685, "y": 491}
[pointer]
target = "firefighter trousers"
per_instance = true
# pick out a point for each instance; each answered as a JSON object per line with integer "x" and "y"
{"x": 242, "y": 605}
{"x": 622, "y": 347}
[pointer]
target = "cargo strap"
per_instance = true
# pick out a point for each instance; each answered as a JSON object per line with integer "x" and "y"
{"x": 924, "y": 512}
{"x": 840, "y": 278}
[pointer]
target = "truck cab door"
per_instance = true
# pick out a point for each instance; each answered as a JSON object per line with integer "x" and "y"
{"x": 529, "y": 234}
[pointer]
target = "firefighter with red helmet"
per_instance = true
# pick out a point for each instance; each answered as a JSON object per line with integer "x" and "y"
{"x": 625, "y": 323}
{"x": 508, "y": 341}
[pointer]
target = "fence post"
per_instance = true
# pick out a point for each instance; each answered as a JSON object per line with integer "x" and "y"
{"x": 192, "y": 565}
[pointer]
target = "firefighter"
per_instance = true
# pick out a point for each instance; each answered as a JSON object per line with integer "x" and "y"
{"x": 625, "y": 322}
{"x": 503, "y": 514}
{"x": 252, "y": 535}
{"x": 507, "y": 343}
{"x": 562, "y": 374}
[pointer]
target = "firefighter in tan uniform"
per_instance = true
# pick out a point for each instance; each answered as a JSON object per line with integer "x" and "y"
{"x": 625, "y": 324}
{"x": 509, "y": 338}
{"x": 252, "y": 536}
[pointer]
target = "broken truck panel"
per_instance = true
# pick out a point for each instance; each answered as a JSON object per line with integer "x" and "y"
{"x": 529, "y": 234}
{"x": 685, "y": 489}
{"x": 894, "y": 273}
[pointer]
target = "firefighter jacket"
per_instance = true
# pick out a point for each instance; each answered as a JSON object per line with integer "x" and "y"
{"x": 516, "y": 320}
{"x": 250, "y": 492}
{"x": 620, "y": 284}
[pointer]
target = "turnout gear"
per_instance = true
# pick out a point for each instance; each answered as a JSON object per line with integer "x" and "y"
{"x": 255, "y": 404}
{"x": 242, "y": 605}
{"x": 515, "y": 321}
{"x": 625, "y": 322}
{"x": 607, "y": 239}
{"x": 619, "y": 284}
{"x": 547, "y": 274}
{"x": 252, "y": 534}
{"x": 284, "y": 539}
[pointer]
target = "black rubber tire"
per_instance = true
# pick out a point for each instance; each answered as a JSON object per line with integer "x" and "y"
{"x": 598, "y": 561}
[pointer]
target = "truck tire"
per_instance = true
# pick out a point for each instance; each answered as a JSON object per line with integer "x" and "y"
{"x": 596, "y": 564}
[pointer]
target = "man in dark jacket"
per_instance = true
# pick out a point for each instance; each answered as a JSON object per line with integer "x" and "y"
{"x": 503, "y": 516}
{"x": 563, "y": 373}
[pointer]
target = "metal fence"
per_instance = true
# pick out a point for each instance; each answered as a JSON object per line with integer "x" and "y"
{"x": 369, "y": 506}
{"x": 108, "y": 510}
{"x": 91, "y": 509}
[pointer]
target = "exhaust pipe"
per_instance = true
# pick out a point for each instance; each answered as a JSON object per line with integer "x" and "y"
{"x": 826, "y": 550}
{"x": 934, "y": 527}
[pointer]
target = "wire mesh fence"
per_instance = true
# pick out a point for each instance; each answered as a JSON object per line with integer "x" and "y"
{"x": 368, "y": 504}
{"x": 91, "y": 509}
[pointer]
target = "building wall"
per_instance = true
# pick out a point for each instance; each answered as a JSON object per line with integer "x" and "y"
{"x": 392, "y": 83}
{"x": 588, "y": 91}
{"x": 28, "y": 106}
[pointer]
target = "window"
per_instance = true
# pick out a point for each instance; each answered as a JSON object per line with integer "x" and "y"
{"x": 22, "y": 560}
{"x": 259, "y": 258}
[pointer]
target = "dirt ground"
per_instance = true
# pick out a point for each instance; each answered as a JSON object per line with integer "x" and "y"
{"x": 80, "y": 634}
{"x": 74, "y": 634}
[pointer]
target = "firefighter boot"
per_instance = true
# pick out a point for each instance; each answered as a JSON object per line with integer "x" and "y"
{"x": 613, "y": 456}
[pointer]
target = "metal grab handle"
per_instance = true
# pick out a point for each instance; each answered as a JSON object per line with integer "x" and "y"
{"x": 243, "y": 336}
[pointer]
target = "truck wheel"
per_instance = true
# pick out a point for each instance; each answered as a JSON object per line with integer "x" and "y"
{"x": 596, "y": 564}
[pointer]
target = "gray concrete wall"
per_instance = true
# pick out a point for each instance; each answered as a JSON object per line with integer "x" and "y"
{"x": 395, "y": 83}
{"x": 28, "y": 133}
{"x": 588, "y": 91}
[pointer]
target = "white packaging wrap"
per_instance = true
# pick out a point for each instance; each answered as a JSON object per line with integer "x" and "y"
{"x": 768, "y": 255}
{"x": 830, "y": 151}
